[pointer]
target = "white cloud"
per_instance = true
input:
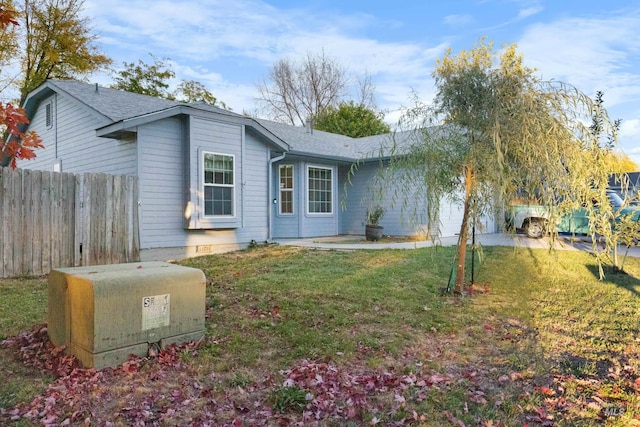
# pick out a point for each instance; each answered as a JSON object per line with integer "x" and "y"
{"x": 629, "y": 138}
{"x": 217, "y": 41}
{"x": 458, "y": 20}
{"x": 532, "y": 8}
{"x": 527, "y": 12}
{"x": 588, "y": 53}
{"x": 631, "y": 129}
{"x": 594, "y": 54}
{"x": 229, "y": 46}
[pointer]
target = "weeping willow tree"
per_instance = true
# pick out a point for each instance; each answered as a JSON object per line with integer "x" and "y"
{"x": 616, "y": 224}
{"x": 495, "y": 131}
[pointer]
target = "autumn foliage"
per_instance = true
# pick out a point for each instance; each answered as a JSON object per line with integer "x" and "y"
{"x": 8, "y": 17}
{"x": 16, "y": 144}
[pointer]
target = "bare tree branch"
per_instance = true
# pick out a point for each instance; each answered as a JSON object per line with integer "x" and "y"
{"x": 295, "y": 92}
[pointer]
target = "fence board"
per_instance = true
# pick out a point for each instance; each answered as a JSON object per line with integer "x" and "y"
{"x": 131, "y": 215}
{"x": 4, "y": 217}
{"x": 108, "y": 222}
{"x": 78, "y": 215}
{"x": 15, "y": 194}
{"x": 45, "y": 221}
{"x": 7, "y": 223}
{"x": 52, "y": 220}
{"x": 68, "y": 219}
{"x": 36, "y": 229}
{"x": 55, "y": 221}
{"x": 116, "y": 231}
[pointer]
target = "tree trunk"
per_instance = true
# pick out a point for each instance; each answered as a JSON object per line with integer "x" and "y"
{"x": 464, "y": 228}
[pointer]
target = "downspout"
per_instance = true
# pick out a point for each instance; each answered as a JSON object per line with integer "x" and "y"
{"x": 270, "y": 192}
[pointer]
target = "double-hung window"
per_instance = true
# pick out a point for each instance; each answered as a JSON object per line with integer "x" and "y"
{"x": 286, "y": 189}
{"x": 320, "y": 190}
{"x": 219, "y": 191}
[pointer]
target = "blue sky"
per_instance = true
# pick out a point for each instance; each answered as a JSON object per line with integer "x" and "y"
{"x": 230, "y": 45}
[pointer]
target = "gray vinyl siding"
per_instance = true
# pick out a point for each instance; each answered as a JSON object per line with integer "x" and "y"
{"x": 161, "y": 184}
{"x": 251, "y": 157}
{"x": 353, "y": 209}
{"x": 402, "y": 217}
{"x": 72, "y": 140}
{"x": 362, "y": 193}
{"x": 212, "y": 136}
{"x": 164, "y": 183}
{"x": 46, "y": 157}
{"x": 255, "y": 194}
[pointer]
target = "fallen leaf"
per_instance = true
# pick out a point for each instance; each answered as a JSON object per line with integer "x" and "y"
{"x": 545, "y": 390}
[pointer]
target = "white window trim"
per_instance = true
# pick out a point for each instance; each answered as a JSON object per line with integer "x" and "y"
{"x": 333, "y": 177}
{"x": 290, "y": 190}
{"x": 233, "y": 186}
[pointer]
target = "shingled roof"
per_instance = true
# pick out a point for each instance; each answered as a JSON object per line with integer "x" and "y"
{"x": 118, "y": 106}
{"x": 316, "y": 143}
{"x": 112, "y": 103}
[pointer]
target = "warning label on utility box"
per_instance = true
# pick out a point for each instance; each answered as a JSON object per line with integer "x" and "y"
{"x": 155, "y": 311}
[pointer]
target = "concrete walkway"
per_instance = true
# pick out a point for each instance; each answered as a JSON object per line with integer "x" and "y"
{"x": 353, "y": 242}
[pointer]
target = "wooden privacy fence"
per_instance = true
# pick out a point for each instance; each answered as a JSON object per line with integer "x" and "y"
{"x": 52, "y": 220}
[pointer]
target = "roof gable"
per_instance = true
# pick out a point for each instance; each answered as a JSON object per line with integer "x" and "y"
{"x": 114, "y": 104}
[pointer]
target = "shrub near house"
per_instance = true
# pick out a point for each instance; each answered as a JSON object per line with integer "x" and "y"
{"x": 373, "y": 230}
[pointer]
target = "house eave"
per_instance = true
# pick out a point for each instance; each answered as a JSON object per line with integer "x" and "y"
{"x": 130, "y": 125}
{"x": 341, "y": 159}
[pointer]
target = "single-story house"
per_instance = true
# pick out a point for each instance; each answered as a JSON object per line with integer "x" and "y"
{"x": 211, "y": 177}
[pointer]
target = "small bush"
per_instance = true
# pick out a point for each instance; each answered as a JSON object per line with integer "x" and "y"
{"x": 374, "y": 215}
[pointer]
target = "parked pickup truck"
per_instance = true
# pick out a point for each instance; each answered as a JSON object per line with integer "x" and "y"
{"x": 533, "y": 219}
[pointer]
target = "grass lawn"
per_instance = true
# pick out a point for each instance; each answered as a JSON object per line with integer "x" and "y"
{"x": 304, "y": 337}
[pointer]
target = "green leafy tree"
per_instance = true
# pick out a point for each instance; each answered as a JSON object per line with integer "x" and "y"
{"x": 155, "y": 80}
{"x": 505, "y": 132}
{"x": 146, "y": 79}
{"x": 9, "y": 44}
{"x": 617, "y": 224}
{"x": 193, "y": 91}
{"x": 351, "y": 119}
{"x": 57, "y": 43}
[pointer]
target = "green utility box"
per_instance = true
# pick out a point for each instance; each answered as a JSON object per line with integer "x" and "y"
{"x": 104, "y": 313}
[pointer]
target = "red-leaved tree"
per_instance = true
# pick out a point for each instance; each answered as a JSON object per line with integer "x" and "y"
{"x": 15, "y": 143}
